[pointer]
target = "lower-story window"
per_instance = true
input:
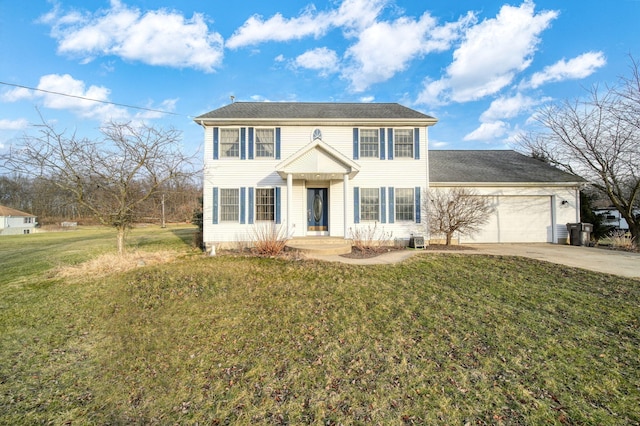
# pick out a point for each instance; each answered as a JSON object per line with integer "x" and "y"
{"x": 265, "y": 204}
{"x": 370, "y": 204}
{"x": 229, "y": 205}
{"x": 404, "y": 203}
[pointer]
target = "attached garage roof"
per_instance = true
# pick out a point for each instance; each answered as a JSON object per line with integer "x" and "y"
{"x": 315, "y": 111}
{"x": 493, "y": 166}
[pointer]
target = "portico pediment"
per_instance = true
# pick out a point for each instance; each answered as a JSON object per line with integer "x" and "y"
{"x": 318, "y": 161}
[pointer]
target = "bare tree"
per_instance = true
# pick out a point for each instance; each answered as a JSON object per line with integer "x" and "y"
{"x": 597, "y": 138}
{"x": 111, "y": 177}
{"x": 456, "y": 210}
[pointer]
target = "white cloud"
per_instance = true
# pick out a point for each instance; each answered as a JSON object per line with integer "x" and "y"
{"x": 351, "y": 15}
{"x": 356, "y": 15}
{"x": 492, "y": 125}
{"x": 491, "y": 54}
{"x": 320, "y": 59}
{"x": 256, "y": 30}
{"x": 18, "y": 124}
{"x": 367, "y": 99}
{"x": 386, "y": 48}
{"x": 437, "y": 144}
{"x": 16, "y": 94}
{"x": 579, "y": 67}
{"x": 488, "y": 131}
{"x": 77, "y": 97}
{"x": 63, "y": 92}
{"x": 508, "y": 107}
{"x": 159, "y": 37}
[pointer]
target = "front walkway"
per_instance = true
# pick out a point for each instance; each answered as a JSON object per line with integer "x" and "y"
{"x": 594, "y": 259}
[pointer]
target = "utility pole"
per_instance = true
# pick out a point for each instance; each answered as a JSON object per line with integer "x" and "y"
{"x": 163, "y": 223}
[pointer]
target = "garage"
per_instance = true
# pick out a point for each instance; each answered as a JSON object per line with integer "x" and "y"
{"x": 532, "y": 200}
{"x": 517, "y": 219}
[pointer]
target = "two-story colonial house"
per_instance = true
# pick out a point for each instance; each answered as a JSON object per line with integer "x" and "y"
{"x": 325, "y": 169}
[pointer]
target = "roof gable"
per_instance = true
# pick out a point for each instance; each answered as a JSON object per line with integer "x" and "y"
{"x": 493, "y": 166}
{"x": 317, "y": 161}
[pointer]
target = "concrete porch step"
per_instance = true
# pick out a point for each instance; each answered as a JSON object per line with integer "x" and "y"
{"x": 320, "y": 245}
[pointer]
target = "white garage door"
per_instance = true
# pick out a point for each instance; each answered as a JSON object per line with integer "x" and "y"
{"x": 517, "y": 220}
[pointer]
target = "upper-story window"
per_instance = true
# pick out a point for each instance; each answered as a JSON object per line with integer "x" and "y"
{"x": 265, "y": 143}
{"x": 230, "y": 143}
{"x": 403, "y": 143}
{"x": 369, "y": 143}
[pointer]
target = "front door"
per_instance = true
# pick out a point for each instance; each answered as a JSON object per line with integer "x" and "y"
{"x": 317, "y": 210}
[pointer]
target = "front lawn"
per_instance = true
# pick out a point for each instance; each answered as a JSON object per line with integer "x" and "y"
{"x": 439, "y": 339}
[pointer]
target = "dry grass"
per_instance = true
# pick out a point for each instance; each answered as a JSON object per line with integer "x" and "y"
{"x": 112, "y": 263}
{"x": 621, "y": 240}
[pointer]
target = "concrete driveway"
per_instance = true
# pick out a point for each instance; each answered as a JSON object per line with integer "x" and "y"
{"x": 594, "y": 259}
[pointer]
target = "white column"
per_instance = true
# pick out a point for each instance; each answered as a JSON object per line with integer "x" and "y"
{"x": 554, "y": 200}
{"x": 345, "y": 190}
{"x": 289, "y": 207}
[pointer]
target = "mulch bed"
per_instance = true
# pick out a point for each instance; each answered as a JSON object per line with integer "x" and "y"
{"x": 369, "y": 252}
{"x": 444, "y": 247}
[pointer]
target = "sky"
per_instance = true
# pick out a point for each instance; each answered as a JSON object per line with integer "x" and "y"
{"x": 480, "y": 68}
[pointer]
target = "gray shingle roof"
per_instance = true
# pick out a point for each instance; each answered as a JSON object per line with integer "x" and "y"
{"x": 502, "y": 166}
{"x": 314, "y": 110}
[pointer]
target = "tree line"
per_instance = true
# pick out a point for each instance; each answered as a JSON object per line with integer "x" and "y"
{"x": 53, "y": 205}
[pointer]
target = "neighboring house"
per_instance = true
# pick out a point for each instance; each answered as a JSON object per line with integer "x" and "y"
{"x": 13, "y": 222}
{"x": 612, "y": 218}
{"x": 327, "y": 169}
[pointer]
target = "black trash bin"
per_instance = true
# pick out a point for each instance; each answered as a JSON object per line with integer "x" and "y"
{"x": 579, "y": 233}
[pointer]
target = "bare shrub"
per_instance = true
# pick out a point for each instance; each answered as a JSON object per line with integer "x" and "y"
{"x": 370, "y": 237}
{"x": 269, "y": 239}
{"x": 454, "y": 210}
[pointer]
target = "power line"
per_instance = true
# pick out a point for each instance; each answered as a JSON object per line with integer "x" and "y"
{"x": 93, "y": 100}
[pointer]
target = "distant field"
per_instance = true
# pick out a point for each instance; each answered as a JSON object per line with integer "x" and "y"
{"x": 169, "y": 336}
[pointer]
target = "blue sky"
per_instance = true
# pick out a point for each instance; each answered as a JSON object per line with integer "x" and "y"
{"x": 481, "y": 68}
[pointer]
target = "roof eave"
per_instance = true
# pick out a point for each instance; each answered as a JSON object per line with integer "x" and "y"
{"x": 507, "y": 184}
{"x": 208, "y": 121}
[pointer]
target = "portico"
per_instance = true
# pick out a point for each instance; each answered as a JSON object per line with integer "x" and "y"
{"x": 317, "y": 167}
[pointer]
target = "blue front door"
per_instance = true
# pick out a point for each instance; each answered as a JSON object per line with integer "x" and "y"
{"x": 317, "y": 209}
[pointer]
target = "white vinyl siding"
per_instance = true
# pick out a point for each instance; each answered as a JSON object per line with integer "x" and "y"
{"x": 265, "y": 143}
{"x": 404, "y": 204}
{"x": 369, "y": 143}
{"x": 230, "y": 143}
{"x": 265, "y": 204}
{"x": 369, "y": 204}
{"x": 229, "y": 205}
{"x": 403, "y": 143}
